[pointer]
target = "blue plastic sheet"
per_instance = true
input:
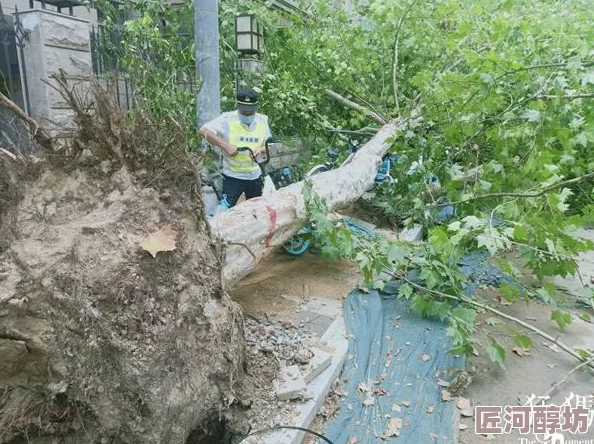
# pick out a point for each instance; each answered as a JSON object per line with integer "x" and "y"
{"x": 398, "y": 356}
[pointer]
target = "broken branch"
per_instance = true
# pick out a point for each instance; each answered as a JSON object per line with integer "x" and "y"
{"x": 366, "y": 131}
{"x": 564, "y": 97}
{"x": 395, "y": 55}
{"x": 350, "y": 104}
{"x": 35, "y": 129}
{"x": 573, "y": 370}
{"x": 525, "y": 195}
{"x": 501, "y": 314}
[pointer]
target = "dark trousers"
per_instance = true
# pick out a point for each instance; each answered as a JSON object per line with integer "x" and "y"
{"x": 233, "y": 188}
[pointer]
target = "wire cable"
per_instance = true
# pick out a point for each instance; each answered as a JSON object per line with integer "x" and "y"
{"x": 258, "y": 432}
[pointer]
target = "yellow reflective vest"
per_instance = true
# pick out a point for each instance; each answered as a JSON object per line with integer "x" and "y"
{"x": 241, "y": 137}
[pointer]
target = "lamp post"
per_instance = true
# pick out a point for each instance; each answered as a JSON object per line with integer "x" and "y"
{"x": 206, "y": 30}
{"x": 249, "y": 40}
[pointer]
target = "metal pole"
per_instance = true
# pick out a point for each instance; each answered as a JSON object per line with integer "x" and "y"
{"x": 206, "y": 35}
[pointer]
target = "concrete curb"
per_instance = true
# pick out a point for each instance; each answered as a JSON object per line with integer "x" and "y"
{"x": 334, "y": 341}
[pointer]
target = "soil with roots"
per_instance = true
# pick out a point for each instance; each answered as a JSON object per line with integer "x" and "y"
{"x": 101, "y": 342}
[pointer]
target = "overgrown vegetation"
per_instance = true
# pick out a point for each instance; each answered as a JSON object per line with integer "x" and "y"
{"x": 505, "y": 87}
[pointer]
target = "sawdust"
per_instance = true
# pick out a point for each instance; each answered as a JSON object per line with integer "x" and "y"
{"x": 281, "y": 283}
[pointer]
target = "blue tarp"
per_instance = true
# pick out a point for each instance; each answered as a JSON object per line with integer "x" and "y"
{"x": 398, "y": 356}
{"x": 406, "y": 354}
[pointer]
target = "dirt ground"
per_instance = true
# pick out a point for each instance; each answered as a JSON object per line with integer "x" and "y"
{"x": 544, "y": 367}
{"x": 282, "y": 283}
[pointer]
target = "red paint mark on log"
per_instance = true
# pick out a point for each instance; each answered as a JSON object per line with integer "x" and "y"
{"x": 272, "y": 216}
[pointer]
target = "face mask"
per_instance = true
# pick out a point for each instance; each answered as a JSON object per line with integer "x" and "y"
{"x": 246, "y": 120}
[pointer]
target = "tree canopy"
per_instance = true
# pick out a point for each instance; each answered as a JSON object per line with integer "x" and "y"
{"x": 503, "y": 88}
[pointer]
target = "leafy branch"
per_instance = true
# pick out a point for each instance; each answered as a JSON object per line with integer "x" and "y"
{"x": 503, "y": 315}
{"x": 542, "y": 192}
{"x": 541, "y": 66}
{"x": 350, "y": 104}
{"x": 563, "y": 97}
{"x": 395, "y": 54}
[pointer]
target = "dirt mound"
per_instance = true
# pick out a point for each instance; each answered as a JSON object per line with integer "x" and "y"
{"x": 100, "y": 341}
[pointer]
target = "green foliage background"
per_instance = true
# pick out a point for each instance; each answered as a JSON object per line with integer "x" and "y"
{"x": 507, "y": 86}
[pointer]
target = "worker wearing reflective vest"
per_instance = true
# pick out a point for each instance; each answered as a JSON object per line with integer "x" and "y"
{"x": 243, "y": 127}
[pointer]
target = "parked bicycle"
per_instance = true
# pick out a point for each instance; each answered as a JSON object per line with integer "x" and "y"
{"x": 383, "y": 173}
{"x": 300, "y": 242}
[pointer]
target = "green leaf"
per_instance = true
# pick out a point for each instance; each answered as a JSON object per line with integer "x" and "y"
{"x": 378, "y": 284}
{"x": 496, "y": 353}
{"x": 520, "y": 234}
{"x": 588, "y": 78}
{"x": 531, "y": 115}
{"x": 429, "y": 277}
{"x": 472, "y": 222}
{"x": 465, "y": 315}
{"x": 405, "y": 291}
{"x": 523, "y": 341}
{"x": 396, "y": 254}
{"x": 438, "y": 238}
{"x": 487, "y": 241}
{"x": 561, "y": 318}
{"x": 511, "y": 292}
{"x": 565, "y": 194}
{"x": 455, "y": 226}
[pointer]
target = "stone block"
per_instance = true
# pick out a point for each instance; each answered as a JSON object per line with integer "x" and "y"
{"x": 321, "y": 361}
{"x": 74, "y": 63}
{"x": 82, "y": 89}
{"x": 65, "y": 31}
{"x": 55, "y": 41}
{"x": 291, "y": 384}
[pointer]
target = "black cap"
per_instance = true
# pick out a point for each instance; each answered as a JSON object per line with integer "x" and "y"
{"x": 247, "y": 100}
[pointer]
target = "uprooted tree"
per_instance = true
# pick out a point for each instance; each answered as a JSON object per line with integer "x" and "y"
{"x": 106, "y": 341}
{"x": 101, "y": 341}
{"x": 114, "y": 320}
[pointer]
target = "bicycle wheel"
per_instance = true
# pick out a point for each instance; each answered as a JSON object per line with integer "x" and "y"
{"x": 297, "y": 245}
{"x": 317, "y": 169}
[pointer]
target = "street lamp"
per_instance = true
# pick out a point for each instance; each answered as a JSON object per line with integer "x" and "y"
{"x": 248, "y": 34}
{"x": 249, "y": 40}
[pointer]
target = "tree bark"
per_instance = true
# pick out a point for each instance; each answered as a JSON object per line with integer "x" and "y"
{"x": 350, "y": 104}
{"x": 254, "y": 228}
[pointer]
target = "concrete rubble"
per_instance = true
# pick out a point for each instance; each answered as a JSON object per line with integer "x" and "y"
{"x": 293, "y": 380}
{"x": 290, "y": 384}
{"x": 321, "y": 361}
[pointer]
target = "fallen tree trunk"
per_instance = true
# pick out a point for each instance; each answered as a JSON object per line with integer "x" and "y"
{"x": 254, "y": 228}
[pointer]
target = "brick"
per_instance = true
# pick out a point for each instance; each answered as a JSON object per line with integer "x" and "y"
{"x": 291, "y": 384}
{"x": 320, "y": 362}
